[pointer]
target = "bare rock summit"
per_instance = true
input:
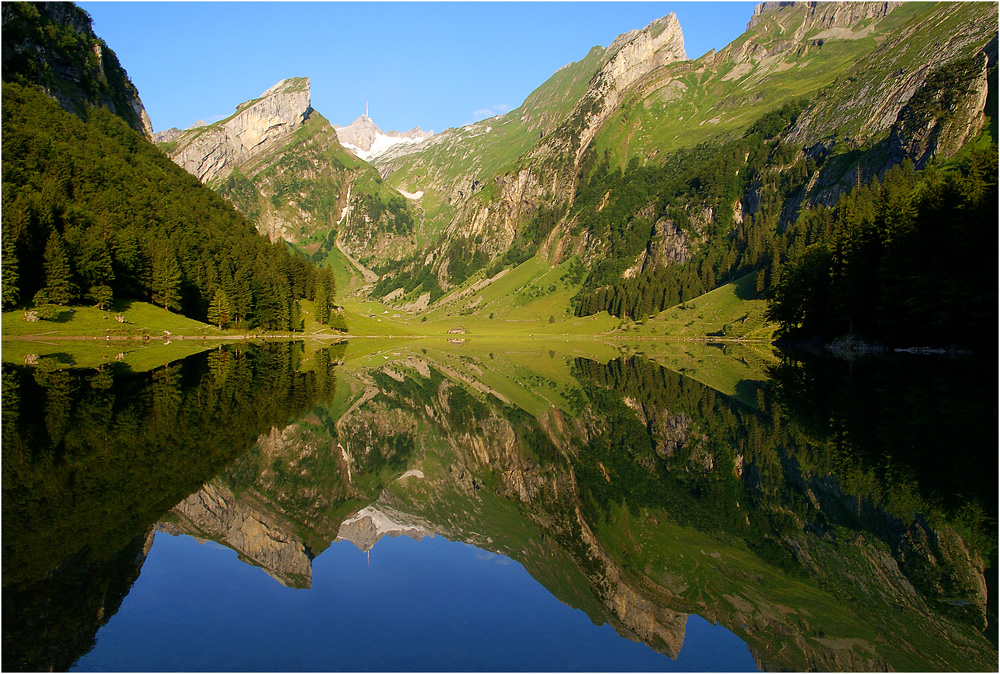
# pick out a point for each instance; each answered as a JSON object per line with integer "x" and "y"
{"x": 213, "y": 150}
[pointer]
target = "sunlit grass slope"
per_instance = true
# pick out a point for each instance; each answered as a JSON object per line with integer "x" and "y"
{"x": 140, "y": 318}
{"x": 728, "y": 312}
{"x": 534, "y": 298}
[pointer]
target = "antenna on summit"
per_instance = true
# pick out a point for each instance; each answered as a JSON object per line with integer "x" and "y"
{"x": 366, "y": 108}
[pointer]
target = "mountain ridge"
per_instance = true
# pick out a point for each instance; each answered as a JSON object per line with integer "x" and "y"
{"x": 792, "y": 51}
{"x": 212, "y": 151}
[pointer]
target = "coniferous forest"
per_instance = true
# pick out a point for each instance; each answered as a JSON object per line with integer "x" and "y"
{"x": 905, "y": 257}
{"x": 94, "y": 213}
{"x": 908, "y": 259}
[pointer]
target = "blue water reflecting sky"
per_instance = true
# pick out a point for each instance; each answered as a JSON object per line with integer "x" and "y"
{"x": 432, "y": 605}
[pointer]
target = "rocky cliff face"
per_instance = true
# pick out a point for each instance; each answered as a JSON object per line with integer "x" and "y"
{"x": 629, "y": 59}
{"x": 259, "y": 125}
{"x": 632, "y": 56}
{"x": 871, "y": 97}
{"x": 214, "y": 512}
{"x": 947, "y": 110}
{"x": 52, "y": 45}
{"x": 279, "y": 162}
{"x": 824, "y": 15}
{"x": 549, "y": 171}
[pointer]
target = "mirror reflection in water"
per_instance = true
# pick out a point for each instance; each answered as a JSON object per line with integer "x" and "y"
{"x": 499, "y": 506}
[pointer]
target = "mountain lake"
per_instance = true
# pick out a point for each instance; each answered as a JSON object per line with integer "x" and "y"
{"x": 542, "y": 505}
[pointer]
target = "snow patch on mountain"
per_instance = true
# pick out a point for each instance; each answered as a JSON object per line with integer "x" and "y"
{"x": 363, "y": 138}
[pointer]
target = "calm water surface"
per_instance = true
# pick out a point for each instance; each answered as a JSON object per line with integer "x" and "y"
{"x": 432, "y": 605}
{"x": 491, "y": 508}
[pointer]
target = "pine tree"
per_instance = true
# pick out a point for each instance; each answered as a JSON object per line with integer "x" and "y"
{"x": 59, "y": 288}
{"x": 322, "y": 303}
{"x": 9, "y": 275}
{"x": 166, "y": 290}
{"x": 219, "y": 309}
{"x": 243, "y": 295}
{"x": 326, "y": 289}
{"x": 103, "y": 296}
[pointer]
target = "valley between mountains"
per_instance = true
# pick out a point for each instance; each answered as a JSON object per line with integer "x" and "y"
{"x": 600, "y": 278}
{"x": 829, "y": 173}
{"x": 543, "y": 220}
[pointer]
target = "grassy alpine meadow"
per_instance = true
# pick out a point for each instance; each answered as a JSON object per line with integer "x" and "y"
{"x": 138, "y": 319}
{"x": 535, "y": 299}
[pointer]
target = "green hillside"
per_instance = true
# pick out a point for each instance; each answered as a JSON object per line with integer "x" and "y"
{"x": 699, "y": 171}
{"x": 451, "y": 160}
{"x": 94, "y": 213}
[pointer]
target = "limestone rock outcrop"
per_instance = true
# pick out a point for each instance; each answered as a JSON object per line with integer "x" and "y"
{"x": 825, "y": 14}
{"x": 555, "y": 161}
{"x": 215, "y": 513}
{"x": 947, "y": 110}
{"x": 631, "y": 57}
{"x": 873, "y": 105}
{"x": 212, "y": 151}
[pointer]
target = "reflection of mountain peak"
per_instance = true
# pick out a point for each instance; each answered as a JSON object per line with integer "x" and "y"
{"x": 370, "y": 524}
{"x": 259, "y": 536}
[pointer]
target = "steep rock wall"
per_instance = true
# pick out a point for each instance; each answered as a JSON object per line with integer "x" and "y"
{"x": 550, "y": 170}
{"x": 53, "y": 45}
{"x": 258, "y": 125}
{"x": 215, "y": 512}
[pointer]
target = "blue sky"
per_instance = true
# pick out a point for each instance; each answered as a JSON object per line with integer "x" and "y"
{"x": 434, "y": 65}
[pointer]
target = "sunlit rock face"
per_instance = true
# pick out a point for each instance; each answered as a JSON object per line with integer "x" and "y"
{"x": 553, "y": 163}
{"x": 214, "y": 150}
{"x": 825, "y": 15}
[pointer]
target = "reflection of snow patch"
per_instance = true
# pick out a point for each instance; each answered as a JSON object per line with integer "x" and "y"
{"x": 409, "y": 195}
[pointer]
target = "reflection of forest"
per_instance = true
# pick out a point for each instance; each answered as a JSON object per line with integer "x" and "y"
{"x": 634, "y": 494}
{"x": 92, "y": 459}
{"x": 647, "y": 496}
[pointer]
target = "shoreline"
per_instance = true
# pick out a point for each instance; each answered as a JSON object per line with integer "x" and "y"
{"x": 296, "y": 336}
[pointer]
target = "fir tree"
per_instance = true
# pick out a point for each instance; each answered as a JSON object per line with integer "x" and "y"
{"x": 102, "y": 296}
{"x": 322, "y": 303}
{"x": 58, "y": 288}
{"x": 166, "y": 291}
{"x": 219, "y": 310}
{"x": 9, "y": 274}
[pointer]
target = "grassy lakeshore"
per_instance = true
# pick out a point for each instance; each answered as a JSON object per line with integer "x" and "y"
{"x": 720, "y": 315}
{"x": 515, "y": 313}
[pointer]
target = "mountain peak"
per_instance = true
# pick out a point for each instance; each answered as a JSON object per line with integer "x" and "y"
{"x": 366, "y": 140}
{"x": 258, "y": 124}
{"x": 288, "y": 86}
{"x": 665, "y": 31}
